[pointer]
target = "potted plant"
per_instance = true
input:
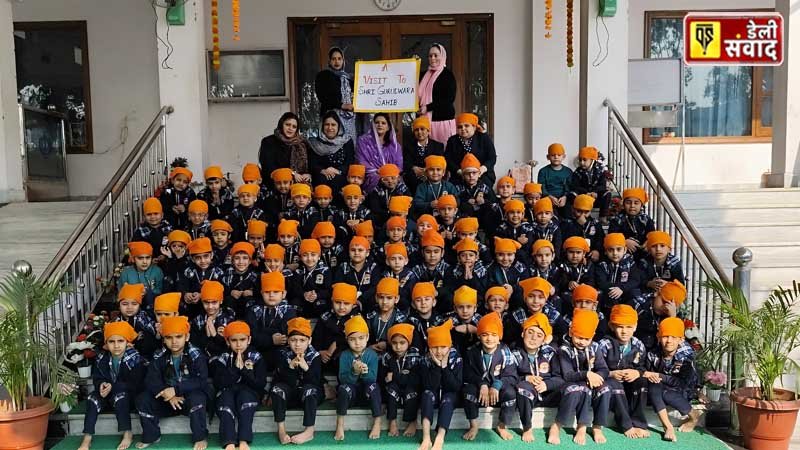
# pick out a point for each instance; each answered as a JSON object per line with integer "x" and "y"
{"x": 715, "y": 381}
{"x": 24, "y": 417}
{"x": 762, "y": 340}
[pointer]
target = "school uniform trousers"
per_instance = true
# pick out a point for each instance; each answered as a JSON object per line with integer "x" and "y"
{"x": 500, "y": 372}
{"x": 404, "y": 387}
{"x": 543, "y": 363}
{"x": 125, "y": 379}
{"x": 441, "y": 387}
{"x": 579, "y": 401}
{"x": 356, "y": 388}
{"x": 627, "y": 398}
{"x": 238, "y": 394}
{"x": 295, "y": 387}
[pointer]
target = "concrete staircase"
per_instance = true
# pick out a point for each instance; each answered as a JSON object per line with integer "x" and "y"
{"x": 765, "y": 220}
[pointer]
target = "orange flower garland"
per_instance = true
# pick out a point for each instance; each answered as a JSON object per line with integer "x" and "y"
{"x": 570, "y": 61}
{"x": 215, "y": 63}
{"x": 548, "y": 18}
{"x": 235, "y": 12}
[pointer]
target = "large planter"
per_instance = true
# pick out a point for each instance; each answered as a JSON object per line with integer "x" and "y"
{"x": 26, "y": 430}
{"x": 766, "y": 425}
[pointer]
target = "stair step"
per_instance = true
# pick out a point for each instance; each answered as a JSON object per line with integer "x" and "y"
{"x": 718, "y": 235}
{"x": 736, "y": 215}
{"x": 769, "y": 254}
{"x": 742, "y": 197}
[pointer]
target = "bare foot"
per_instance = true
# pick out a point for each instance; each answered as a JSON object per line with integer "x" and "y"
{"x": 669, "y": 435}
{"x": 580, "y": 435}
{"x": 471, "y": 433}
{"x": 303, "y": 437}
{"x": 411, "y": 429}
{"x": 527, "y": 435}
{"x": 141, "y": 445}
{"x": 597, "y": 435}
{"x": 283, "y": 436}
{"x": 375, "y": 432}
{"x": 127, "y": 439}
{"x": 87, "y": 442}
{"x": 643, "y": 433}
{"x": 438, "y": 443}
{"x": 243, "y": 445}
{"x": 632, "y": 433}
{"x": 393, "y": 431}
{"x": 554, "y": 435}
{"x": 425, "y": 444}
{"x": 503, "y": 432}
{"x": 339, "y": 434}
{"x": 201, "y": 445}
{"x": 691, "y": 421}
{"x": 230, "y": 447}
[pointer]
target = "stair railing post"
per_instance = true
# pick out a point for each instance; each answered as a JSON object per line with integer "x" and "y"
{"x": 742, "y": 257}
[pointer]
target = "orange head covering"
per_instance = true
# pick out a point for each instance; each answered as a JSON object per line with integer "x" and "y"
{"x": 535, "y": 284}
{"x": 356, "y": 170}
{"x": 583, "y": 202}
{"x": 221, "y": 225}
{"x": 542, "y": 243}
{"x": 179, "y": 236}
{"x": 343, "y": 292}
{"x": 614, "y": 240}
{"x": 152, "y": 205}
{"x": 671, "y": 326}
{"x": 388, "y": 286}
{"x": 211, "y": 290}
{"x": 588, "y": 153}
{"x": 133, "y": 292}
{"x": 400, "y": 204}
{"x": 467, "y": 225}
{"x": 440, "y": 336}
{"x": 396, "y": 249}
{"x": 532, "y": 188}
{"x": 323, "y": 229}
{"x": 256, "y": 227}
{"x": 403, "y": 329}
{"x": 213, "y": 172}
{"x": 421, "y": 122}
{"x": 423, "y": 289}
{"x": 623, "y": 315}
{"x": 514, "y": 205}
{"x": 356, "y": 324}
{"x": 121, "y": 328}
{"x": 539, "y": 320}
{"x": 236, "y": 327}
{"x": 658, "y": 237}
{"x": 139, "y": 248}
{"x": 243, "y": 247}
{"x": 299, "y": 189}
{"x": 323, "y": 191}
{"x": 168, "y": 302}
{"x": 389, "y": 170}
{"x": 673, "y": 291}
{"x": 544, "y": 204}
{"x": 359, "y": 241}
{"x": 351, "y": 190}
{"x": 435, "y": 161}
{"x": 428, "y": 219}
{"x": 503, "y": 245}
{"x": 299, "y": 325}
{"x": 466, "y": 245}
{"x": 469, "y": 118}
{"x": 576, "y": 242}
{"x": 181, "y": 171}
{"x": 273, "y": 282}
{"x": 469, "y": 161}
{"x": 283, "y": 174}
{"x": 174, "y": 325}
{"x": 491, "y": 323}
{"x": 198, "y": 206}
{"x": 635, "y": 192}
{"x": 505, "y": 180}
{"x": 584, "y": 323}
{"x": 584, "y": 292}
{"x": 447, "y": 200}
{"x": 555, "y": 149}
{"x": 396, "y": 222}
{"x": 249, "y": 189}
{"x": 365, "y": 229}
{"x": 432, "y": 238}
{"x": 498, "y": 291}
{"x": 288, "y": 227}
{"x": 251, "y": 172}
{"x": 310, "y": 246}
{"x": 274, "y": 251}
{"x": 465, "y": 295}
{"x": 200, "y": 246}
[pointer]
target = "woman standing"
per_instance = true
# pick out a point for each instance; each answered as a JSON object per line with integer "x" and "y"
{"x": 285, "y": 148}
{"x": 415, "y": 152}
{"x": 437, "y": 92}
{"x": 333, "y": 152}
{"x": 334, "y": 88}
{"x": 376, "y": 148}
{"x": 470, "y": 138}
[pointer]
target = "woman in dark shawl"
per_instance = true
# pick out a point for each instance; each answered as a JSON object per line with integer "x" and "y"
{"x": 331, "y": 153}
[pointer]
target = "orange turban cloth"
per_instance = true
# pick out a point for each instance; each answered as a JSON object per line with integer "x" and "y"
{"x": 532, "y": 188}
{"x": 467, "y": 225}
{"x": 256, "y": 227}
{"x": 535, "y": 284}
{"x": 323, "y": 229}
{"x": 542, "y": 243}
{"x": 671, "y": 326}
{"x": 623, "y": 315}
{"x": 213, "y": 172}
{"x": 421, "y": 122}
{"x": 674, "y": 291}
{"x": 288, "y": 227}
{"x": 179, "y": 236}
{"x": 514, "y": 205}
{"x": 299, "y": 325}
{"x": 396, "y": 222}
{"x": 555, "y": 149}
{"x": 583, "y": 202}
{"x": 310, "y": 246}
{"x": 359, "y": 241}
{"x": 447, "y": 200}
{"x": 403, "y": 329}
{"x": 388, "y": 286}
{"x": 299, "y": 189}
{"x": 440, "y": 336}
{"x": 237, "y": 327}
{"x": 121, "y": 328}
{"x": 470, "y": 119}
{"x": 356, "y": 170}
{"x": 389, "y": 170}
{"x": 584, "y": 292}
{"x": 273, "y": 282}
{"x": 198, "y": 206}
{"x": 212, "y": 290}
{"x": 221, "y": 225}
{"x": 502, "y": 181}
{"x": 323, "y": 191}
{"x": 539, "y": 320}
{"x": 614, "y": 240}
{"x": 588, "y": 153}
{"x": 174, "y": 325}
{"x": 491, "y": 323}
{"x": 498, "y": 291}
{"x": 503, "y": 245}
{"x": 343, "y": 292}
{"x": 584, "y": 323}
{"x": 274, "y": 251}
{"x": 396, "y": 249}
{"x": 365, "y": 229}
{"x": 432, "y": 238}
{"x": 351, "y": 190}
{"x": 658, "y": 237}
{"x": 251, "y": 172}
{"x": 140, "y": 249}
{"x": 283, "y": 174}
{"x": 400, "y": 204}
{"x": 169, "y": 302}
{"x": 356, "y": 324}
{"x": 423, "y": 289}
{"x": 243, "y": 247}
{"x": 200, "y": 246}
{"x": 133, "y": 292}
{"x": 469, "y": 161}
{"x": 465, "y": 295}
{"x": 152, "y": 205}
{"x": 428, "y": 219}
{"x": 544, "y": 204}
{"x": 181, "y": 171}
{"x": 576, "y": 242}
{"x": 250, "y": 189}
{"x": 435, "y": 161}
{"x": 466, "y": 245}
{"x": 635, "y": 192}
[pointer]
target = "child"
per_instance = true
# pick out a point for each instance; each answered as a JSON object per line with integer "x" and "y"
{"x": 216, "y": 194}
{"x": 143, "y": 271}
{"x": 659, "y": 266}
{"x": 360, "y": 271}
{"x": 423, "y": 300}
{"x": 531, "y": 192}
{"x": 221, "y": 238}
{"x": 575, "y": 268}
{"x": 589, "y": 178}
{"x": 389, "y": 185}
{"x": 415, "y": 151}
{"x": 251, "y": 174}
{"x": 490, "y": 377}
{"x": 176, "y": 383}
{"x": 469, "y": 271}
{"x": 554, "y": 176}
{"x": 467, "y": 227}
{"x": 441, "y": 372}
{"x": 154, "y": 229}
{"x": 495, "y": 214}
{"x": 208, "y": 329}
{"x": 273, "y": 260}
{"x": 201, "y": 269}
{"x": 117, "y": 377}
{"x": 447, "y": 210}
{"x": 241, "y": 280}
{"x": 584, "y": 371}
{"x": 323, "y": 196}
{"x": 310, "y": 290}
{"x": 353, "y": 212}
{"x": 177, "y": 196}
{"x": 664, "y": 304}
{"x": 672, "y": 378}
{"x": 240, "y": 375}
{"x": 428, "y": 193}
{"x": 280, "y": 200}
{"x": 496, "y": 300}
{"x": 177, "y": 258}
{"x": 329, "y": 332}
{"x": 257, "y": 233}
{"x": 288, "y": 239}
{"x": 399, "y": 206}
{"x": 397, "y": 267}
{"x": 473, "y": 195}
{"x": 617, "y": 277}
{"x": 626, "y": 358}
{"x": 367, "y": 231}
{"x": 633, "y": 222}
{"x": 332, "y": 252}
{"x": 583, "y": 225}
{"x": 545, "y": 227}
{"x": 465, "y": 318}
{"x": 585, "y": 297}
{"x": 537, "y": 297}
{"x": 506, "y": 271}
{"x": 425, "y": 222}
{"x": 433, "y": 268}
{"x": 385, "y": 315}
{"x": 538, "y": 371}
{"x": 514, "y": 227}
{"x": 245, "y": 211}
{"x": 130, "y": 312}
{"x": 543, "y": 256}
{"x": 399, "y": 370}
{"x": 355, "y": 174}
{"x": 166, "y": 305}
{"x": 268, "y": 320}
{"x": 395, "y": 233}
{"x": 302, "y": 210}
{"x": 358, "y": 376}
{"x": 198, "y": 225}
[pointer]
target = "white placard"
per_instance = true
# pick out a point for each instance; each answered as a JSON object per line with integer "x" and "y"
{"x": 386, "y": 86}
{"x": 655, "y": 82}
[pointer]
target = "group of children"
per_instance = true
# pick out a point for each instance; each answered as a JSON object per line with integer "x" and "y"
{"x": 460, "y": 296}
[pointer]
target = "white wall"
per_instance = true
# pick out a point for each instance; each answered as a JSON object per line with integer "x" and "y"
{"x": 123, "y": 73}
{"x": 701, "y": 165}
{"x": 10, "y": 163}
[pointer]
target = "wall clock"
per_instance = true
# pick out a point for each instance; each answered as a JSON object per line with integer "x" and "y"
{"x": 387, "y": 5}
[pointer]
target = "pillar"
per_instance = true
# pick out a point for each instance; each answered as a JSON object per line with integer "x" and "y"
{"x": 11, "y": 186}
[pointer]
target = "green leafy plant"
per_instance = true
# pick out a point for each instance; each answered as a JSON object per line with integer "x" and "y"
{"x": 23, "y": 346}
{"x": 762, "y": 338}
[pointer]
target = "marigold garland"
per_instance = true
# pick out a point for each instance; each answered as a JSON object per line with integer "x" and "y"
{"x": 235, "y": 11}
{"x": 570, "y": 61}
{"x": 215, "y": 63}
{"x": 548, "y": 18}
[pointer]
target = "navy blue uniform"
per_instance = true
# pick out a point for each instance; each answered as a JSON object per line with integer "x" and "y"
{"x": 498, "y": 275}
{"x": 591, "y": 230}
{"x": 463, "y": 341}
{"x": 190, "y": 281}
{"x": 146, "y": 342}
{"x": 550, "y": 232}
{"x": 633, "y": 227}
{"x": 436, "y": 276}
{"x": 125, "y": 375}
{"x": 627, "y": 398}
{"x": 265, "y": 321}
{"x": 585, "y": 181}
{"x": 294, "y": 386}
{"x": 365, "y": 281}
{"x": 216, "y": 345}
{"x": 403, "y": 388}
{"x": 578, "y": 400}
{"x": 330, "y": 329}
{"x": 249, "y": 280}
{"x": 239, "y": 217}
{"x": 441, "y": 388}
{"x": 198, "y": 231}
{"x": 155, "y": 236}
{"x": 220, "y": 209}
{"x": 239, "y": 392}
{"x": 624, "y": 275}
{"x": 678, "y": 379}
{"x": 542, "y": 363}
{"x": 316, "y": 279}
{"x": 334, "y": 256}
{"x": 497, "y": 370}
{"x": 421, "y": 326}
{"x": 378, "y": 328}
{"x": 378, "y": 201}
{"x": 307, "y": 219}
{"x": 172, "y": 197}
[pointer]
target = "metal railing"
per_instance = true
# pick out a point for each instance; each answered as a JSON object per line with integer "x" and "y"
{"x": 87, "y": 260}
{"x": 631, "y": 167}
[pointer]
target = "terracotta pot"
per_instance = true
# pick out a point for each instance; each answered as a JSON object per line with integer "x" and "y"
{"x": 26, "y": 430}
{"x": 766, "y": 425}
